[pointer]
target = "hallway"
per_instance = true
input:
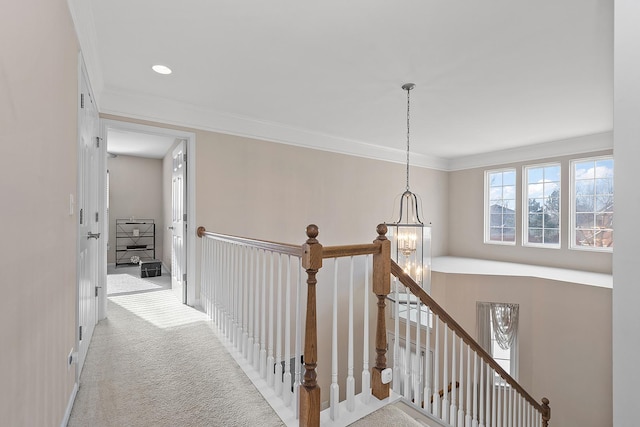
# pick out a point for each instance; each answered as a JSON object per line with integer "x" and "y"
{"x": 157, "y": 362}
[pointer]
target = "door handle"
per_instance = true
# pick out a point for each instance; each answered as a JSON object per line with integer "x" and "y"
{"x": 91, "y": 235}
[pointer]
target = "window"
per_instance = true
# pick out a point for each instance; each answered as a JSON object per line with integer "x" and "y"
{"x": 500, "y": 205}
{"x": 498, "y": 334}
{"x": 542, "y": 206}
{"x": 592, "y": 204}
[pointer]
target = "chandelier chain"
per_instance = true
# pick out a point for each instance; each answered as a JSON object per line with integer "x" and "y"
{"x": 408, "y": 133}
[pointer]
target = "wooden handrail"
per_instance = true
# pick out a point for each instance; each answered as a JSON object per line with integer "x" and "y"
{"x": 416, "y": 290}
{"x": 283, "y": 248}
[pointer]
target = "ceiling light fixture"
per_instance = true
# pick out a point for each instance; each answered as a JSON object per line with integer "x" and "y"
{"x": 161, "y": 69}
{"x": 411, "y": 240}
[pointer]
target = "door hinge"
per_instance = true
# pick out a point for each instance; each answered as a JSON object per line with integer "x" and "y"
{"x": 97, "y": 216}
{"x": 184, "y": 217}
{"x": 184, "y": 278}
{"x": 80, "y": 334}
{"x": 98, "y": 141}
{"x": 81, "y": 216}
{"x": 97, "y": 291}
{"x": 82, "y": 100}
{"x": 184, "y": 157}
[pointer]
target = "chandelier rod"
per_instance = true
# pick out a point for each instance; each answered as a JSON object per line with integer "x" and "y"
{"x": 408, "y": 87}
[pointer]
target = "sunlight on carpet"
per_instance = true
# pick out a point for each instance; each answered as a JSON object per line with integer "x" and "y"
{"x": 160, "y": 309}
{"x": 122, "y": 283}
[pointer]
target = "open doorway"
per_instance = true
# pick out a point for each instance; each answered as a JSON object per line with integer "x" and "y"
{"x": 140, "y": 253}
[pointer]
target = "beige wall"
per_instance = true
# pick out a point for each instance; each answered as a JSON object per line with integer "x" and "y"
{"x": 38, "y": 136}
{"x": 135, "y": 190}
{"x": 564, "y": 339}
{"x": 466, "y": 199}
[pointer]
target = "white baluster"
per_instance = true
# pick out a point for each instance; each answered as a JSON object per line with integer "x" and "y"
{"x": 494, "y": 399}
{"x": 474, "y": 419}
{"x": 287, "y": 338}
{"x": 417, "y": 378}
{"x": 500, "y": 403}
{"x": 436, "y": 369}
{"x": 263, "y": 333}
{"x": 278, "y": 360}
{"x": 256, "y": 317}
{"x": 445, "y": 373}
{"x": 470, "y": 384}
{"x": 228, "y": 295}
{"x": 481, "y": 405}
{"x": 366, "y": 377}
{"x": 453, "y": 409}
{"x": 245, "y": 304}
{"x": 462, "y": 386}
{"x": 299, "y": 326}
{"x": 270, "y": 349}
{"x": 334, "y": 391}
{"x": 427, "y": 364}
{"x": 407, "y": 349}
{"x": 250, "y": 296}
{"x": 396, "y": 340}
{"x": 351, "y": 381}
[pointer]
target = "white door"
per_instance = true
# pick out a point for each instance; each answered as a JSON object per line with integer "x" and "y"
{"x": 179, "y": 221}
{"x": 89, "y": 223}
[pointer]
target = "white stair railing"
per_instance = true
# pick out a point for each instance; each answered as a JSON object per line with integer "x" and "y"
{"x": 462, "y": 385}
{"x": 253, "y": 292}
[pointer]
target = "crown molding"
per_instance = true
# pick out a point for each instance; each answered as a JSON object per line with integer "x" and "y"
{"x": 162, "y": 110}
{"x": 563, "y": 147}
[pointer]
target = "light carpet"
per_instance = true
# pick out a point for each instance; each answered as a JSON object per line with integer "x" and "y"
{"x": 157, "y": 362}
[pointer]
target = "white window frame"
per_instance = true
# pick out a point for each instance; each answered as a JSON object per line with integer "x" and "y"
{"x": 573, "y": 209}
{"x": 525, "y": 207}
{"x": 487, "y": 212}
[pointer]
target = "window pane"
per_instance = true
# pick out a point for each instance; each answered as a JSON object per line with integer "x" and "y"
{"x": 535, "y": 235}
{"x": 535, "y": 191}
{"x": 535, "y": 175}
{"x": 604, "y": 204}
{"x": 552, "y": 173}
{"x": 509, "y": 220}
{"x": 509, "y": 234}
{"x": 604, "y": 186}
{"x": 535, "y": 220}
{"x": 584, "y": 187}
{"x": 604, "y": 220}
{"x": 551, "y": 221}
{"x": 495, "y": 234}
{"x": 496, "y": 220}
{"x": 495, "y": 179}
{"x": 551, "y": 236}
{"x": 604, "y": 168}
{"x": 509, "y": 177}
{"x": 584, "y": 170}
{"x": 584, "y": 204}
{"x": 585, "y": 220}
{"x": 551, "y": 189}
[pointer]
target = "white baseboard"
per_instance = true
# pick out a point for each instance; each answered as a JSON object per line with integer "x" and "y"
{"x": 72, "y": 399}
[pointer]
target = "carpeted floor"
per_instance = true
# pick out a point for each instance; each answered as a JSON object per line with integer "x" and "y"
{"x": 156, "y": 362}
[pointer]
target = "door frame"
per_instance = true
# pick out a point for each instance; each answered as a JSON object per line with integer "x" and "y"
{"x": 190, "y": 137}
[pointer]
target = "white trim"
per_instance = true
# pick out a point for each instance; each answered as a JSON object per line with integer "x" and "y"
{"x": 563, "y": 147}
{"x": 191, "y": 188}
{"x": 72, "y": 399}
{"x": 163, "y": 110}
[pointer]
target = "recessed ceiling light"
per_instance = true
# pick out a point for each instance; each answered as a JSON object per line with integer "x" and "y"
{"x": 161, "y": 69}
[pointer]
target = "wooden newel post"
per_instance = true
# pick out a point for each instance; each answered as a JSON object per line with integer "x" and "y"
{"x": 546, "y": 412}
{"x": 309, "y": 390}
{"x": 381, "y": 288}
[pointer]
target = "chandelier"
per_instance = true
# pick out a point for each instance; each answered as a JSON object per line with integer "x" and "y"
{"x": 410, "y": 239}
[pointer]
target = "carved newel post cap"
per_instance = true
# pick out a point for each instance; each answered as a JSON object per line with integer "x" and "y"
{"x": 200, "y": 231}
{"x": 545, "y": 401}
{"x": 312, "y": 231}
{"x": 382, "y": 231}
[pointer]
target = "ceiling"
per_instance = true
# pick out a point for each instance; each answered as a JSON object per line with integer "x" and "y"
{"x": 491, "y": 76}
